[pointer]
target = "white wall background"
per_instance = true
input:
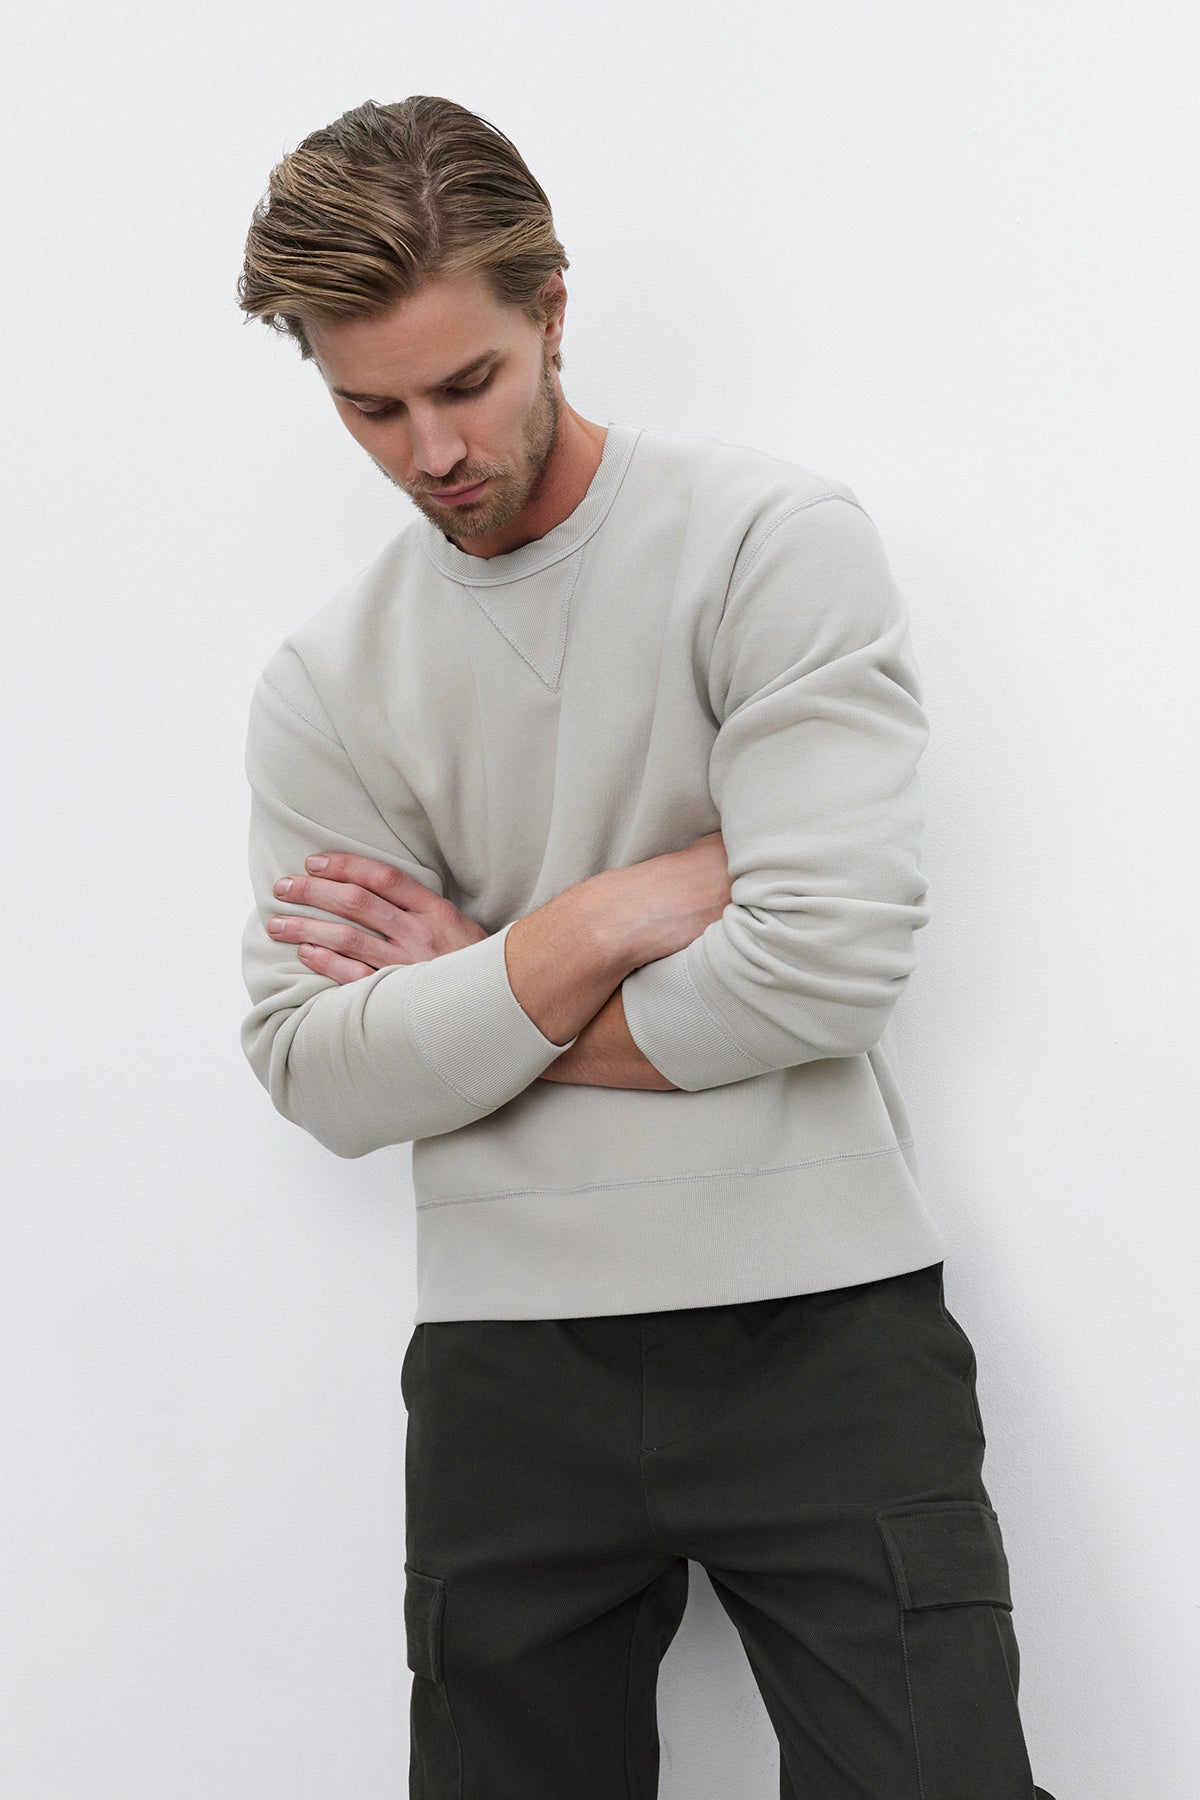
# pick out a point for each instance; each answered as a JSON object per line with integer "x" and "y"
{"x": 946, "y": 253}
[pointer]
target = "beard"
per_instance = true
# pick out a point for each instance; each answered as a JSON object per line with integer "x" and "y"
{"x": 512, "y": 487}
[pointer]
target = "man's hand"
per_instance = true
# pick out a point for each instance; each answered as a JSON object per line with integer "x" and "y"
{"x": 656, "y": 906}
{"x": 393, "y": 917}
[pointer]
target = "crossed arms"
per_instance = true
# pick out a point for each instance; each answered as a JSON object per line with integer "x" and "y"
{"x": 787, "y": 936}
{"x": 565, "y": 961}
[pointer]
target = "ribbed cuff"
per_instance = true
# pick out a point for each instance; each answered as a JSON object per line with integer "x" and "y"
{"x": 470, "y": 1027}
{"x": 681, "y": 1035}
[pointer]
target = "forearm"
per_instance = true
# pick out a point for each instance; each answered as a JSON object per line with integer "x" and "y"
{"x": 566, "y": 959}
{"x": 605, "y": 1055}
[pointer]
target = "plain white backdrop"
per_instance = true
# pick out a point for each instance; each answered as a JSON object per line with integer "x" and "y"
{"x": 947, "y": 254}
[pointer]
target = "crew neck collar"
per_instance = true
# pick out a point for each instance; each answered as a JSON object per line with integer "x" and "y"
{"x": 561, "y": 540}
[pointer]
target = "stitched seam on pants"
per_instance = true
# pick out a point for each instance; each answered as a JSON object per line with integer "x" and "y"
{"x": 629, "y": 1787}
{"x": 462, "y": 1773}
{"x": 445, "y": 1686}
{"x": 1003, "y": 1658}
{"x": 912, "y": 1711}
{"x": 643, "y": 1453}
{"x": 655, "y": 1531}
{"x": 969, "y": 1379}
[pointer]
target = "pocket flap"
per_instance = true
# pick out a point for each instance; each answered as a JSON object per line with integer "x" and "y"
{"x": 947, "y": 1553}
{"x": 424, "y": 1600}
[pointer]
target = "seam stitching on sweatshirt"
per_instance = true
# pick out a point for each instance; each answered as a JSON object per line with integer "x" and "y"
{"x": 564, "y": 622}
{"x": 549, "y": 682}
{"x": 409, "y": 1015}
{"x": 809, "y": 1162}
{"x": 720, "y": 1023}
{"x": 267, "y": 682}
{"x": 801, "y": 506}
{"x": 341, "y": 748}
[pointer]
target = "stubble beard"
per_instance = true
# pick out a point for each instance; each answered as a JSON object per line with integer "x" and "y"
{"x": 510, "y": 495}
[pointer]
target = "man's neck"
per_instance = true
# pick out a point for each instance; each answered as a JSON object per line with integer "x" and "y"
{"x": 578, "y": 447}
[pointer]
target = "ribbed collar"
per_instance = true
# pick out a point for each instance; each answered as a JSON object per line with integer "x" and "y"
{"x": 562, "y": 540}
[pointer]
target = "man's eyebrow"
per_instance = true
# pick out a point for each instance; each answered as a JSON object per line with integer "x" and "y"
{"x": 467, "y": 369}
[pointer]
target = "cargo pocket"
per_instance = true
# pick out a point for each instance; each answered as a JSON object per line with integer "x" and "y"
{"x": 435, "y": 1757}
{"x": 960, "y": 1652}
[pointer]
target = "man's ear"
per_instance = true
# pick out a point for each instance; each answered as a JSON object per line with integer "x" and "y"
{"x": 552, "y": 301}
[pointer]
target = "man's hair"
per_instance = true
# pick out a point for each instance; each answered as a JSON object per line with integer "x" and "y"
{"x": 367, "y": 209}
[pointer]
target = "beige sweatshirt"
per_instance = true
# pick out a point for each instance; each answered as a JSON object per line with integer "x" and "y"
{"x": 713, "y": 639}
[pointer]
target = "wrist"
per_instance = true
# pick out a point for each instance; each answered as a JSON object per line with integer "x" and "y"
{"x": 605, "y": 923}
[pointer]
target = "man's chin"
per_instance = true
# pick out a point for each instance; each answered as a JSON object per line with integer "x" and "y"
{"x": 468, "y": 521}
{"x": 456, "y": 521}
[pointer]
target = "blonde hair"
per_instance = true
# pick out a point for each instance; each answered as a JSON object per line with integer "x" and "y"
{"x": 365, "y": 210}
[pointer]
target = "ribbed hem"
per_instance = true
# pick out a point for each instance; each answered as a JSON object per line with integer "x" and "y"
{"x": 692, "y": 1241}
{"x": 502, "y": 1050}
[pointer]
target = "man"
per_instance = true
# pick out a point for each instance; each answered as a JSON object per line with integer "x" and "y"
{"x": 584, "y": 845}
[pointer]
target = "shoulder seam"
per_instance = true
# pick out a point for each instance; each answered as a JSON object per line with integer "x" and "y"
{"x": 291, "y": 704}
{"x": 801, "y": 506}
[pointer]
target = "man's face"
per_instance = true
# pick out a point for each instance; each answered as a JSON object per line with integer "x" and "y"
{"x": 449, "y": 389}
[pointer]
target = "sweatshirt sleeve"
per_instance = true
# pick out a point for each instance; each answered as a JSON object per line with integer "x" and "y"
{"x": 814, "y": 775}
{"x": 410, "y": 1050}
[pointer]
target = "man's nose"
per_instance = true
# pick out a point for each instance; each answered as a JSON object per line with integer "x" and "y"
{"x": 437, "y": 445}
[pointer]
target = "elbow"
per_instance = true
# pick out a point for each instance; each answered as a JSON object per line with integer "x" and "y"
{"x": 337, "y": 1135}
{"x": 336, "y": 1123}
{"x": 343, "y": 1129}
{"x": 859, "y": 1028}
{"x": 844, "y": 1028}
{"x": 859, "y": 1041}
{"x": 345, "y": 1133}
{"x": 336, "y": 1131}
{"x": 870, "y": 988}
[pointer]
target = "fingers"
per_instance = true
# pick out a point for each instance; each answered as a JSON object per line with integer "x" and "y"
{"x": 366, "y": 909}
{"x": 338, "y": 893}
{"x": 348, "y": 942}
{"x": 327, "y": 962}
{"x": 378, "y": 877}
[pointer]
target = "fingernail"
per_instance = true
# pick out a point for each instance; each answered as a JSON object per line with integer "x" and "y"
{"x": 275, "y": 926}
{"x": 316, "y": 862}
{"x": 283, "y": 886}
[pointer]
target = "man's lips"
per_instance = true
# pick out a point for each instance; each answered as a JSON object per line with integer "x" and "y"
{"x": 455, "y": 496}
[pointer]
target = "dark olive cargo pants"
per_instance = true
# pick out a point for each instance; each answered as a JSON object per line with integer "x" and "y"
{"x": 820, "y": 1456}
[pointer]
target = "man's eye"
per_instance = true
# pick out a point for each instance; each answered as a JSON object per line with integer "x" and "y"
{"x": 476, "y": 388}
{"x": 458, "y": 393}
